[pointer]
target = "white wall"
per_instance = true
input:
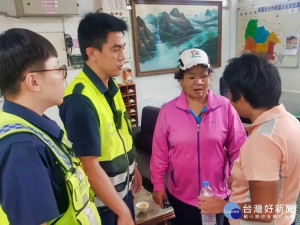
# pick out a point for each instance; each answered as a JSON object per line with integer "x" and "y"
{"x": 48, "y": 25}
{"x": 151, "y": 90}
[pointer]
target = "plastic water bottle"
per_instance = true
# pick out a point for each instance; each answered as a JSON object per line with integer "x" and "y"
{"x": 206, "y": 191}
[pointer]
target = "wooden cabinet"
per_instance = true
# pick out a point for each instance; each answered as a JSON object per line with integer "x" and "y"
{"x": 128, "y": 92}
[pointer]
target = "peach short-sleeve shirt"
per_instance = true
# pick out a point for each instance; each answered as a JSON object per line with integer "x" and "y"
{"x": 271, "y": 152}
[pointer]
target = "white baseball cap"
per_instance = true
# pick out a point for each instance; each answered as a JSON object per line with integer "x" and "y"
{"x": 192, "y": 57}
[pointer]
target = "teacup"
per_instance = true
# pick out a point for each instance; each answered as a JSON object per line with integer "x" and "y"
{"x": 142, "y": 206}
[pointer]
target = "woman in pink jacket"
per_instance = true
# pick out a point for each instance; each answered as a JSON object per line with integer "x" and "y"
{"x": 197, "y": 137}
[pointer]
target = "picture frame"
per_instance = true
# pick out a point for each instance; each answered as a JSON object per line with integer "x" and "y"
{"x": 163, "y": 29}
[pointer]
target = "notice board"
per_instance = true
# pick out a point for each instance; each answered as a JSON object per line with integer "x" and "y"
{"x": 272, "y": 30}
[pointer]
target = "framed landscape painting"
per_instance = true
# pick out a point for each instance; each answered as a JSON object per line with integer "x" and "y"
{"x": 163, "y": 29}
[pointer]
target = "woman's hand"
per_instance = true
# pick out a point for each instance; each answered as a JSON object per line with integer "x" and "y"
{"x": 211, "y": 205}
{"x": 158, "y": 197}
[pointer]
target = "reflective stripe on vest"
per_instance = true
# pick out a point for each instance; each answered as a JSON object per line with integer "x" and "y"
{"x": 17, "y": 127}
{"x": 119, "y": 179}
{"x": 80, "y": 210}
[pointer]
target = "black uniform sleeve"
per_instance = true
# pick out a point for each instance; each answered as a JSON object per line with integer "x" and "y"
{"x": 82, "y": 125}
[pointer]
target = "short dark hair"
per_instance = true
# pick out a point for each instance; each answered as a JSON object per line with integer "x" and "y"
{"x": 254, "y": 78}
{"x": 179, "y": 73}
{"x": 94, "y": 28}
{"x": 21, "y": 50}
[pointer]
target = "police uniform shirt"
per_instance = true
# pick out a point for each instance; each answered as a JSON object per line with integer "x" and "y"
{"x": 32, "y": 187}
{"x": 81, "y": 119}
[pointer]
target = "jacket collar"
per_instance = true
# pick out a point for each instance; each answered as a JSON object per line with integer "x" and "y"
{"x": 212, "y": 101}
{"x": 112, "y": 88}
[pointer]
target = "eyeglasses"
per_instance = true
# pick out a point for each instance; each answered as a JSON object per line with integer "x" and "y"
{"x": 63, "y": 71}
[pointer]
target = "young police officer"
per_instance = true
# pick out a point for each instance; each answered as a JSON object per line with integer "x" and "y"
{"x": 40, "y": 181}
{"x": 95, "y": 118}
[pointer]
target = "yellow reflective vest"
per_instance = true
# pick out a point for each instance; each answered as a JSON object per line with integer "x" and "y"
{"x": 81, "y": 209}
{"x": 3, "y": 218}
{"x": 117, "y": 151}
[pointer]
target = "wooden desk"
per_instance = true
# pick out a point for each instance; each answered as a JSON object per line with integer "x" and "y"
{"x": 154, "y": 215}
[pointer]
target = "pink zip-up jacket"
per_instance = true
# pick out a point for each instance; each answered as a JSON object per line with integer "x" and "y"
{"x": 193, "y": 152}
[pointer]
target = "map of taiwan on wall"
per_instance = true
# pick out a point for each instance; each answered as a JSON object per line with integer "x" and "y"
{"x": 259, "y": 40}
{"x": 263, "y": 30}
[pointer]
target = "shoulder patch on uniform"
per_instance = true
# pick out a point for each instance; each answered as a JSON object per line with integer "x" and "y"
{"x": 267, "y": 127}
{"x": 78, "y": 88}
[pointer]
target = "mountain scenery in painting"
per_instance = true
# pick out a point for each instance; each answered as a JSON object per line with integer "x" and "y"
{"x": 170, "y": 33}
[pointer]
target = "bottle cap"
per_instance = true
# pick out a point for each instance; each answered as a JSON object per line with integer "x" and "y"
{"x": 205, "y": 183}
